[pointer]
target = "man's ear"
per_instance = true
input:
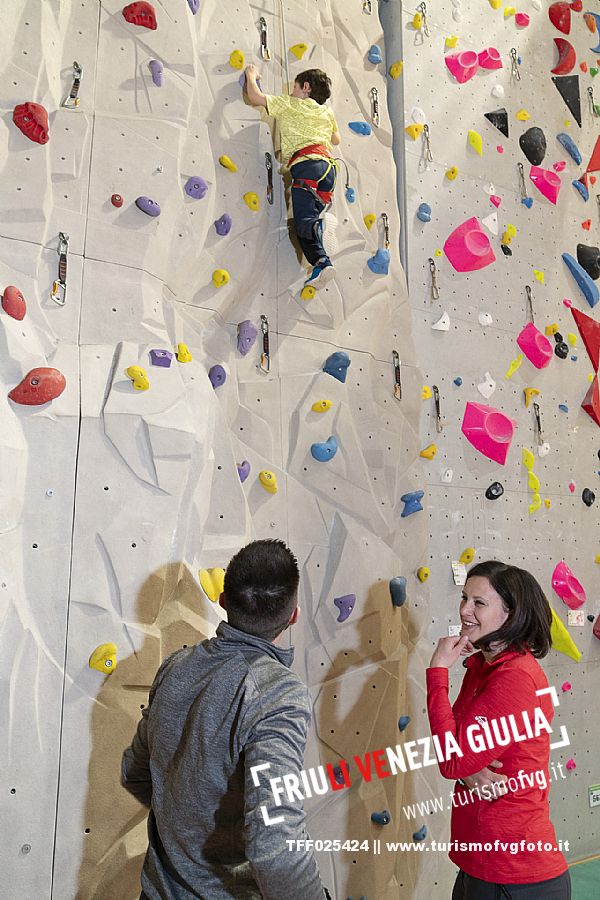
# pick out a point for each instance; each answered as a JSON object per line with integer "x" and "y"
{"x": 222, "y": 600}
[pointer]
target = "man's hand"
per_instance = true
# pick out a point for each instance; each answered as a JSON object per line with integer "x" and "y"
{"x": 449, "y": 649}
{"x": 488, "y": 778}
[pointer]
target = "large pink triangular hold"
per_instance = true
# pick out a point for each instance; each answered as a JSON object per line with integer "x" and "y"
{"x": 488, "y": 430}
{"x": 468, "y": 247}
{"x": 594, "y": 163}
{"x": 589, "y": 330}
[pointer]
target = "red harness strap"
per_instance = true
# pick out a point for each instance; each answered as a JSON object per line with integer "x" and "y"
{"x": 307, "y": 183}
{"x": 320, "y": 149}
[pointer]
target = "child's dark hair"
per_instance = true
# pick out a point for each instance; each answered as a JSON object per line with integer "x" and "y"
{"x": 261, "y": 587}
{"x": 320, "y": 84}
{"x": 529, "y": 613}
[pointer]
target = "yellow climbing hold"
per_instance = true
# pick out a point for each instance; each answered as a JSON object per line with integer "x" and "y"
{"x": 495, "y": 4}
{"x": 251, "y": 200}
{"x": 590, "y": 377}
{"x": 528, "y": 459}
{"x": 597, "y": 558}
{"x": 417, "y": 21}
{"x": 429, "y": 452}
{"x": 547, "y": 503}
{"x": 237, "y": 59}
{"x": 567, "y": 123}
{"x": 514, "y": 365}
{"x": 536, "y": 502}
{"x": 370, "y": 220}
{"x": 476, "y": 141}
{"x": 539, "y": 276}
{"x": 533, "y": 482}
{"x": 509, "y": 11}
{"x": 211, "y": 582}
{"x": 451, "y": 173}
{"x": 561, "y": 639}
{"x": 183, "y": 354}
{"x": 437, "y": 252}
{"x": 467, "y": 556}
{"x": 396, "y": 68}
{"x": 220, "y": 277}
{"x": 551, "y": 329}
{"x": 571, "y": 338}
{"x": 307, "y": 292}
{"x": 138, "y": 377}
{"x": 268, "y": 481}
{"x": 523, "y": 115}
{"x": 104, "y": 658}
{"x": 509, "y": 234}
{"x": 298, "y": 50}
{"x": 426, "y": 392}
{"x": 423, "y": 573}
{"x": 530, "y": 393}
{"x": 414, "y": 130}
{"x": 451, "y": 42}
{"x": 321, "y": 406}
{"x": 228, "y": 163}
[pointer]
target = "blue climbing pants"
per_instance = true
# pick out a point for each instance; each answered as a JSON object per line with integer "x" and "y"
{"x": 466, "y": 887}
{"x": 308, "y": 207}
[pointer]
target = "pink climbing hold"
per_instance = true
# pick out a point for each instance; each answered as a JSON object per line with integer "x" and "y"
{"x": 559, "y": 166}
{"x": 462, "y": 65}
{"x": 39, "y": 386}
{"x": 570, "y": 764}
{"x": 490, "y": 58}
{"x": 488, "y": 430}
{"x": 566, "y": 686}
{"x": 536, "y": 346}
{"x": 13, "y": 302}
{"x": 547, "y": 182}
{"x": 572, "y": 486}
{"x": 568, "y": 303}
{"x": 567, "y": 587}
{"x": 468, "y": 247}
{"x": 495, "y": 200}
{"x": 500, "y": 148}
{"x": 522, "y": 20}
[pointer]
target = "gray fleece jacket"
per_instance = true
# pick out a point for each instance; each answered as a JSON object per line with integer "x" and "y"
{"x": 215, "y": 710}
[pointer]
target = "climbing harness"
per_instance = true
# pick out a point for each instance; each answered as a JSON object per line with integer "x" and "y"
{"x": 309, "y": 184}
{"x": 72, "y": 101}
{"x": 397, "y": 383}
{"x": 59, "y": 287}
{"x": 269, "y": 168}
{"x": 265, "y": 357}
{"x": 264, "y": 40}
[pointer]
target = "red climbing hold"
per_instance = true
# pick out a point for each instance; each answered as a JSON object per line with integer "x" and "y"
{"x": 594, "y": 163}
{"x": 589, "y": 330}
{"x": 39, "y": 386}
{"x": 566, "y": 57}
{"x": 117, "y": 200}
{"x": 13, "y": 302}
{"x": 32, "y": 120}
{"x": 141, "y": 13}
{"x": 560, "y": 16}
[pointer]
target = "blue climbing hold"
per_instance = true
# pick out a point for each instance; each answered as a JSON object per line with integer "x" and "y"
{"x": 325, "y": 451}
{"x": 570, "y": 146}
{"x": 582, "y": 188}
{"x": 424, "y": 213}
{"x": 194, "y": 6}
{"x": 338, "y": 775}
{"x": 563, "y": 407}
{"x": 458, "y": 381}
{"x": 350, "y": 194}
{"x": 380, "y": 263}
{"x": 421, "y": 834}
{"x": 412, "y": 503}
{"x": 381, "y": 818}
{"x": 360, "y": 127}
{"x": 375, "y": 55}
{"x": 398, "y": 590}
{"x": 345, "y": 605}
{"x": 585, "y": 284}
{"x": 573, "y": 359}
{"x": 403, "y": 722}
{"x": 337, "y": 365}
{"x": 527, "y": 201}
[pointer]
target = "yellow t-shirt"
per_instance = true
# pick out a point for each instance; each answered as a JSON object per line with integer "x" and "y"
{"x": 301, "y": 123}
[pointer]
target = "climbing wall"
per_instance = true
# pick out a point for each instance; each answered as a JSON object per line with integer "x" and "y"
{"x": 466, "y": 335}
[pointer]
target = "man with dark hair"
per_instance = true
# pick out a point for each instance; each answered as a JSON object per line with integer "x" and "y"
{"x": 308, "y": 132}
{"x": 223, "y": 718}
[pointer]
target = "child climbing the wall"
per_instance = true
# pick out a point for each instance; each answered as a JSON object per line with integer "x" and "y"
{"x": 309, "y": 132}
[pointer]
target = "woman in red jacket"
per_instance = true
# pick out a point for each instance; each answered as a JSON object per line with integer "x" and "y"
{"x": 502, "y": 837}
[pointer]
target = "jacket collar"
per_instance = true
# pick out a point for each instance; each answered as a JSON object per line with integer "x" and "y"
{"x": 478, "y": 661}
{"x": 230, "y": 636}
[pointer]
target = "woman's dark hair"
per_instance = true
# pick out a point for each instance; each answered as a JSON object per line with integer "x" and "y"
{"x": 320, "y": 84}
{"x": 261, "y": 587}
{"x": 529, "y": 613}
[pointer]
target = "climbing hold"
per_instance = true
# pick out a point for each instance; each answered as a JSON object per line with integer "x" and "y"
{"x": 307, "y": 292}
{"x": 529, "y": 394}
{"x": 495, "y": 200}
{"x": 468, "y": 248}
{"x": 417, "y": 22}
{"x": 488, "y": 430}
{"x": 148, "y": 206}
{"x": 228, "y": 163}
{"x": 424, "y": 212}
{"x": 588, "y": 496}
{"x": 13, "y": 302}
{"x": 590, "y": 21}
{"x": 509, "y": 234}
{"x": 560, "y": 15}
{"x": 220, "y": 277}
{"x": 566, "y": 141}
{"x": 345, "y": 605}
{"x": 39, "y": 386}
{"x": 396, "y": 68}
{"x": 533, "y": 145}
{"x": 141, "y": 13}
{"x": 495, "y": 4}
{"x": 337, "y": 364}
{"x": 561, "y": 350}
{"x": 426, "y": 392}
{"x": 412, "y": 503}
{"x": 566, "y": 685}
{"x": 567, "y": 586}
{"x": 156, "y": 70}
{"x": 117, "y": 200}
{"x": 324, "y": 451}
{"x": 403, "y": 722}
{"x": 183, "y": 354}
{"x": 414, "y": 130}
{"x": 243, "y": 470}
{"x": 522, "y": 19}
{"x": 161, "y": 358}
{"x": 451, "y": 173}
{"x": 360, "y": 127}
{"x": 580, "y": 185}
{"x": 570, "y": 765}
{"x": 321, "y": 406}
{"x": 509, "y": 11}
{"x": 451, "y": 42}
{"x": 212, "y": 582}
{"x": 251, "y": 200}
{"x": 104, "y": 658}
{"x": 381, "y": 818}
{"x": 514, "y": 365}
{"x": 429, "y": 451}
{"x": 246, "y": 336}
{"x": 566, "y": 57}
{"x": 398, "y": 590}
{"x": 447, "y": 476}
{"x": 536, "y": 346}
{"x": 421, "y": 834}
{"x": 458, "y": 381}
{"x": 487, "y": 387}
{"x": 539, "y": 276}
{"x": 586, "y": 285}
{"x": 561, "y": 639}
{"x": 374, "y": 55}
{"x": 370, "y": 220}
{"x": 223, "y": 225}
{"x": 572, "y": 487}
{"x": 571, "y": 339}
{"x": 563, "y": 407}
{"x": 589, "y": 259}
{"x": 462, "y": 66}
{"x": 237, "y": 59}
{"x": 568, "y": 88}
{"x": 138, "y": 377}
{"x": 423, "y": 574}
{"x": 32, "y": 120}
{"x": 499, "y": 119}
{"x": 467, "y": 556}
{"x": 195, "y": 187}
{"x": 498, "y": 92}
{"x": 485, "y": 319}
{"x": 380, "y": 263}
{"x": 268, "y": 481}
{"x": 298, "y": 50}
{"x": 551, "y": 329}
{"x": 528, "y": 459}
{"x": 536, "y": 502}
{"x": 490, "y": 58}
{"x": 495, "y": 491}
{"x": 194, "y": 6}
{"x": 547, "y": 182}
{"x": 527, "y": 201}
{"x": 443, "y": 323}
{"x": 523, "y": 115}
{"x": 217, "y": 376}
{"x": 476, "y": 142}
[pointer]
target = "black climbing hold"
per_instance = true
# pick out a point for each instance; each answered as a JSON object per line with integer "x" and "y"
{"x": 588, "y": 496}
{"x": 590, "y": 618}
{"x": 494, "y": 491}
{"x": 499, "y": 119}
{"x": 533, "y": 145}
{"x": 568, "y": 88}
{"x": 558, "y": 337}
{"x": 562, "y": 350}
{"x": 506, "y": 250}
{"x": 589, "y": 259}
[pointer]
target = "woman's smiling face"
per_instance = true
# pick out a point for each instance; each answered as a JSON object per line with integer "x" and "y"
{"x": 482, "y": 610}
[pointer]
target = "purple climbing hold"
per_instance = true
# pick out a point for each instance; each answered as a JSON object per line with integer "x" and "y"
{"x": 195, "y": 187}
{"x": 217, "y": 376}
{"x": 242, "y": 81}
{"x": 156, "y": 67}
{"x": 194, "y": 5}
{"x": 243, "y": 469}
{"x": 148, "y": 206}
{"x": 345, "y": 605}
{"x": 161, "y": 358}
{"x": 247, "y": 332}
{"x": 223, "y": 225}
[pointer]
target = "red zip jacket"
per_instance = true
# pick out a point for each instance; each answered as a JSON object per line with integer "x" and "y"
{"x": 492, "y": 690}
